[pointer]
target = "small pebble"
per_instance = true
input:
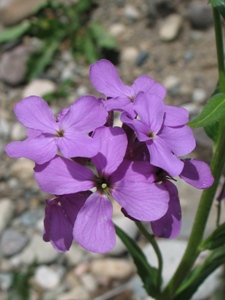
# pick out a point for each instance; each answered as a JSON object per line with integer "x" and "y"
{"x": 131, "y": 12}
{"x": 199, "y": 96}
{"x": 170, "y": 28}
{"x": 12, "y": 242}
{"x": 6, "y": 212}
{"x": 200, "y": 15}
{"x": 141, "y": 58}
{"x": 46, "y": 277}
{"x": 129, "y": 54}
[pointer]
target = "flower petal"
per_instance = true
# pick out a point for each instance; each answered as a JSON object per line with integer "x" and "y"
{"x": 150, "y": 108}
{"x": 105, "y": 79}
{"x": 72, "y": 204}
{"x": 94, "y": 229}
{"x": 77, "y": 144}
{"x": 33, "y": 112}
{"x": 113, "y": 144}
{"x": 142, "y": 129}
{"x": 148, "y": 85}
{"x": 175, "y": 116}
{"x": 120, "y": 104}
{"x": 169, "y": 225}
{"x": 61, "y": 176}
{"x": 197, "y": 173}
{"x": 58, "y": 229}
{"x": 142, "y": 200}
{"x": 39, "y": 149}
{"x": 161, "y": 156}
{"x": 85, "y": 115}
{"x": 180, "y": 140}
{"x": 137, "y": 171}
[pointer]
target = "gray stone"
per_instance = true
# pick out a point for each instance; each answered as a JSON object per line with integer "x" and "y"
{"x": 75, "y": 254}
{"x": 172, "y": 84}
{"x": 6, "y": 212}
{"x": 22, "y": 168}
{"x": 129, "y": 54}
{"x": 5, "y": 128}
{"x": 170, "y": 28}
{"x": 89, "y": 282}
{"x": 12, "y": 242}
{"x": 131, "y": 12}
{"x": 117, "y": 29}
{"x": 5, "y": 281}
{"x": 112, "y": 268}
{"x": 39, "y": 87}
{"x": 18, "y": 132}
{"x": 13, "y": 11}
{"x": 200, "y": 15}
{"x": 142, "y": 57}
{"x": 16, "y": 60}
{"x": 199, "y": 95}
{"x": 30, "y": 218}
{"x": 46, "y": 277}
{"x": 38, "y": 250}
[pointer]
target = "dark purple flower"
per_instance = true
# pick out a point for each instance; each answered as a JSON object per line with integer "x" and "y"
{"x": 68, "y": 133}
{"x": 60, "y": 216}
{"x": 131, "y": 184}
{"x": 196, "y": 173}
{"x": 166, "y": 136}
{"x": 105, "y": 79}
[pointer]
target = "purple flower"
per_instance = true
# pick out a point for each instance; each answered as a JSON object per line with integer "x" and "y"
{"x": 68, "y": 133}
{"x": 131, "y": 184}
{"x": 60, "y": 216}
{"x": 163, "y": 130}
{"x": 196, "y": 173}
{"x": 105, "y": 79}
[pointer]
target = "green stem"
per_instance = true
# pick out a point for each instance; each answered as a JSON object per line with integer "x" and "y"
{"x": 219, "y": 49}
{"x": 152, "y": 241}
{"x": 217, "y": 165}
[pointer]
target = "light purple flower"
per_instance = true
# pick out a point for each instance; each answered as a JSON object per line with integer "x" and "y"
{"x": 68, "y": 133}
{"x": 165, "y": 135}
{"x": 131, "y": 184}
{"x": 105, "y": 79}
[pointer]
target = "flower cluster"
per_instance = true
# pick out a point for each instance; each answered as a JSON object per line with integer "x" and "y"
{"x": 86, "y": 163}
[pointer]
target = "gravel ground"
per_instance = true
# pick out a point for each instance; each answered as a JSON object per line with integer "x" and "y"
{"x": 171, "y": 41}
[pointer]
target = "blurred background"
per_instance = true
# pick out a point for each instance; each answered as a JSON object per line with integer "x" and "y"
{"x": 46, "y": 48}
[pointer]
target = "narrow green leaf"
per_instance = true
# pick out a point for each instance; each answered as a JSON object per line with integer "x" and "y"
{"x": 215, "y": 240}
{"x": 39, "y": 61}
{"x": 147, "y": 273}
{"x": 101, "y": 36}
{"x": 14, "y": 32}
{"x": 219, "y": 5}
{"x": 90, "y": 50}
{"x": 200, "y": 273}
{"x": 211, "y": 113}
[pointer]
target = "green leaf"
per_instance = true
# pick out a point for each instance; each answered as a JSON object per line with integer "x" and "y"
{"x": 147, "y": 273}
{"x": 211, "y": 113}
{"x": 89, "y": 49}
{"x": 219, "y": 5}
{"x": 40, "y": 60}
{"x": 215, "y": 240}
{"x": 200, "y": 273}
{"x": 14, "y": 32}
{"x": 212, "y": 131}
{"x": 101, "y": 36}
